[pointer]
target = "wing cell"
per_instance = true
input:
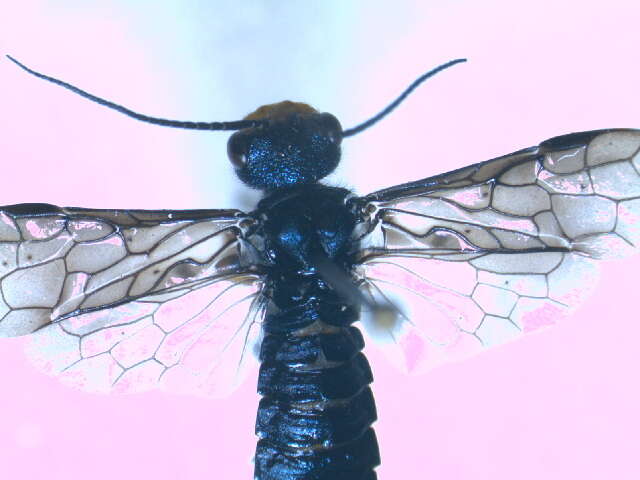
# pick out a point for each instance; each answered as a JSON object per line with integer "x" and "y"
{"x": 196, "y": 339}
{"x": 57, "y": 262}
{"x": 128, "y": 300}
{"x": 486, "y": 253}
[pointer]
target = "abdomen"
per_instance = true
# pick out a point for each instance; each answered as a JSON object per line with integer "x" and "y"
{"x": 314, "y": 420}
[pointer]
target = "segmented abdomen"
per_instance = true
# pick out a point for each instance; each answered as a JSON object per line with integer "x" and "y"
{"x": 314, "y": 420}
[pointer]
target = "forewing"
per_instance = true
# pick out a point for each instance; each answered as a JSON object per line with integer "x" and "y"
{"x": 59, "y": 262}
{"x": 481, "y": 255}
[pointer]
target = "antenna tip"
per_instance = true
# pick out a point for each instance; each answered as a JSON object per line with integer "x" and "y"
{"x": 14, "y": 61}
{"x": 363, "y": 126}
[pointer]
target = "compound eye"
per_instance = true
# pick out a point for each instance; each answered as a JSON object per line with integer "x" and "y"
{"x": 237, "y": 147}
{"x": 332, "y": 127}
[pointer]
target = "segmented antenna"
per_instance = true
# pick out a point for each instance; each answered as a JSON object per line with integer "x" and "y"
{"x": 363, "y": 126}
{"x": 235, "y": 125}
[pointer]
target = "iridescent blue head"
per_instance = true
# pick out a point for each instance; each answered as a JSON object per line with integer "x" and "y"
{"x": 295, "y": 145}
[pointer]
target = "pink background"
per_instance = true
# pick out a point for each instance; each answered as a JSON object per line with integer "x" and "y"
{"x": 561, "y": 404}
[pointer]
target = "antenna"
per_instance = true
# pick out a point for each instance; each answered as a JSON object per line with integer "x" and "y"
{"x": 235, "y": 125}
{"x": 403, "y": 95}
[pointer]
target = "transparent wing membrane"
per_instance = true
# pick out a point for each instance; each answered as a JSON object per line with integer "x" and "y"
{"x": 57, "y": 262}
{"x": 481, "y": 255}
{"x": 127, "y": 300}
{"x": 196, "y": 340}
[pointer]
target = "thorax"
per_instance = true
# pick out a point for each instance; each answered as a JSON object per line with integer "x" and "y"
{"x": 303, "y": 228}
{"x": 306, "y": 224}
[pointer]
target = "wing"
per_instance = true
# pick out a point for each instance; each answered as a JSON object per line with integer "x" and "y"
{"x": 122, "y": 300}
{"x": 481, "y": 255}
{"x": 194, "y": 339}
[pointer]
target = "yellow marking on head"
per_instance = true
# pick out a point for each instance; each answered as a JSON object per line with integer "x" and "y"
{"x": 280, "y": 109}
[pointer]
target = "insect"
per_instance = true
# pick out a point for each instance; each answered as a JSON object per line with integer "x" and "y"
{"x": 127, "y": 300}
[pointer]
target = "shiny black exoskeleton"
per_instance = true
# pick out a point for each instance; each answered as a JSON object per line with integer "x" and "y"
{"x": 315, "y": 415}
{"x": 314, "y": 420}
